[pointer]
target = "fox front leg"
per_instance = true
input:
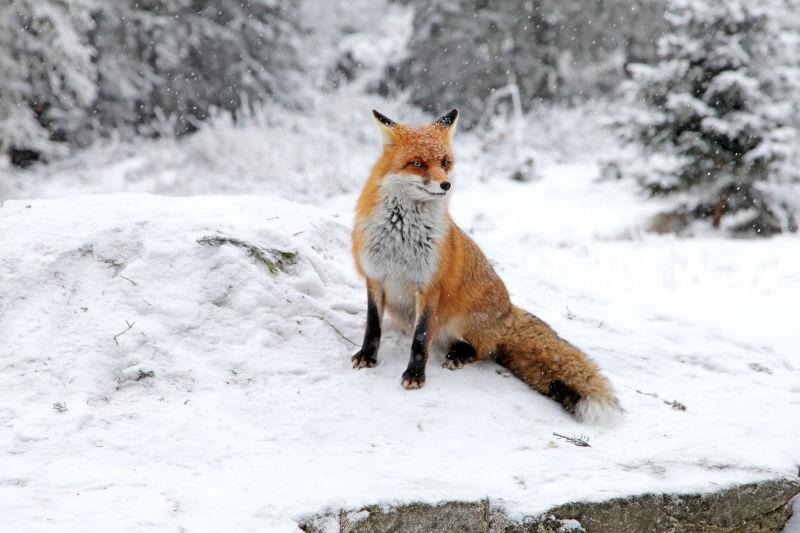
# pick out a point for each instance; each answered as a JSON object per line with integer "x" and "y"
{"x": 414, "y": 376}
{"x": 367, "y": 356}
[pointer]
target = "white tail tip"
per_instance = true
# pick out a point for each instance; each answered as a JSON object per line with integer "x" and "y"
{"x": 598, "y": 411}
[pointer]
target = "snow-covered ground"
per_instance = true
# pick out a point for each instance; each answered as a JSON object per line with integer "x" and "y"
{"x": 153, "y": 384}
{"x": 230, "y": 404}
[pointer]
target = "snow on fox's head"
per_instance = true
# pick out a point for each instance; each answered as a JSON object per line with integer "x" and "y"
{"x": 417, "y": 159}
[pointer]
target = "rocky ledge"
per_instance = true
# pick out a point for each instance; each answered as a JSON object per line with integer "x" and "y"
{"x": 761, "y": 507}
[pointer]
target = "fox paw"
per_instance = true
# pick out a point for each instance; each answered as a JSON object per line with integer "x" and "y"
{"x": 412, "y": 380}
{"x": 461, "y": 353}
{"x": 362, "y": 360}
{"x": 454, "y": 363}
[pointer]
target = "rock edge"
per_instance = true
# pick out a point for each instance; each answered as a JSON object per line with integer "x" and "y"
{"x": 761, "y": 507}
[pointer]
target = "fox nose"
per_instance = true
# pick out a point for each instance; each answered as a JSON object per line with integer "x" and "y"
{"x": 445, "y": 185}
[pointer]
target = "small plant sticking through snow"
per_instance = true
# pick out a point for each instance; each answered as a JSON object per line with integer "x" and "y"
{"x": 145, "y": 374}
{"x": 678, "y": 406}
{"x": 61, "y": 407}
{"x": 581, "y": 441}
{"x": 271, "y": 258}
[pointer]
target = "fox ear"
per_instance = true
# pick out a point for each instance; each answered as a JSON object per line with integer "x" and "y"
{"x": 449, "y": 120}
{"x": 385, "y": 124}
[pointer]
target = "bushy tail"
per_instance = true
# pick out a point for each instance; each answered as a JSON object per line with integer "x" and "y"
{"x": 552, "y": 366}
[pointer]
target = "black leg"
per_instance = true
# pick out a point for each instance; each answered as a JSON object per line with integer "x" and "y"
{"x": 367, "y": 356}
{"x": 414, "y": 376}
{"x": 459, "y": 354}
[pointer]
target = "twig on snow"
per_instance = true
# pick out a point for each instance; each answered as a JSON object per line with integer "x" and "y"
{"x": 675, "y": 404}
{"x": 130, "y": 325}
{"x": 339, "y": 332}
{"x": 129, "y": 279}
{"x": 581, "y": 440}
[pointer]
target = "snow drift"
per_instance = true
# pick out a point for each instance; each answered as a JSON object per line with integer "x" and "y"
{"x": 152, "y": 382}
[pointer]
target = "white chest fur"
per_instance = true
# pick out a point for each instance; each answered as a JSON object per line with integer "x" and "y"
{"x": 401, "y": 243}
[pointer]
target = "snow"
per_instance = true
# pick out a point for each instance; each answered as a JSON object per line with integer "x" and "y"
{"x": 230, "y": 404}
{"x": 253, "y": 418}
{"x": 151, "y": 383}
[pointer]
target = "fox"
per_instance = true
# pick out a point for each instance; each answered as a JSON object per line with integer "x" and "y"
{"x": 434, "y": 280}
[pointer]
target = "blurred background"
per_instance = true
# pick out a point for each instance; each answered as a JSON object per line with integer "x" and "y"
{"x": 691, "y": 107}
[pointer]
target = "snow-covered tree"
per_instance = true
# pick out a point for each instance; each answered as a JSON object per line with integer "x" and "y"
{"x": 73, "y": 70}
{"x": 180, "y": 59}
{"x": 717, "y": 111}
{"x": 461, "y": 51}
{"x": 47, "y": 76}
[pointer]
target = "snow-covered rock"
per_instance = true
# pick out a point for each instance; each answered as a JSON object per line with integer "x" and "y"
{"x": 197, "y": 390}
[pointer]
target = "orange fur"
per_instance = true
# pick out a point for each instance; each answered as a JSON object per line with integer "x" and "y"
{"x": 467, "y": 299}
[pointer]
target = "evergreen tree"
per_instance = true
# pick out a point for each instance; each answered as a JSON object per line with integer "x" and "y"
{"x": 461, "y": 51}
{"x": 183, "y": 58}
{"x": 73, "y": 70}
{"x": 712, "y": 112}
{"x": 47, "y": 77}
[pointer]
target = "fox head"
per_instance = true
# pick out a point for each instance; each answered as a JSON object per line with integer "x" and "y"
{"x": 417, "y": 161}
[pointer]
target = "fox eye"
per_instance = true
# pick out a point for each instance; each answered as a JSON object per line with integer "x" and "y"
{"x": 445, "y": 163}
{"x": 417, "y": 163}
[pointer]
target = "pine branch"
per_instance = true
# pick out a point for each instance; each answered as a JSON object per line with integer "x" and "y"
{"x": 272, "y": 258}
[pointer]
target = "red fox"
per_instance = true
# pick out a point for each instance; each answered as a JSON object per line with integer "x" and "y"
{"x": 429, "y": 274}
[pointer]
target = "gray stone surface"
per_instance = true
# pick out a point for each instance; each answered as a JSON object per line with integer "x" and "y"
{"x": 752, "y": 508}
